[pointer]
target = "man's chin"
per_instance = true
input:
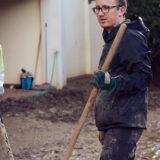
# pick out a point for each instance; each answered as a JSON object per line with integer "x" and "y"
{"x": 104, "y": 25}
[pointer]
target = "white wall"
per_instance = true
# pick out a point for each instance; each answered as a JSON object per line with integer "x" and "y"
{"x": 51, "y": 21}
{"x": 83, "y": 42}
{"x": 65, "y": 32}
{"x": 19, "y": 36}
{"x": 67, "y": 26}
{"x": 73, "y": 30}
{"x": 96, "y": 40}
{"x": 74, "y": 37}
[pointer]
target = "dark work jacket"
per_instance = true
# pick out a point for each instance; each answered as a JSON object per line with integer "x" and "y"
{"x": 126, "y": 106}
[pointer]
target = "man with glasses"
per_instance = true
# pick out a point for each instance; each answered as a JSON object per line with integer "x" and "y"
{"x": 121, "y": 102}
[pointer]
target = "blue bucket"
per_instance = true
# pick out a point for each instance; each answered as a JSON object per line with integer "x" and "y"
{"x": 26, "y": 83}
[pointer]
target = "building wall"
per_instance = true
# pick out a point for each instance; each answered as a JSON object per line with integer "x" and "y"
{"x": 52, "y": 41}
{"x": 64, "y": 30}
{"x": 19, "y": 36}
{"x": 74, "y": 37}
{"x": 96, "y": 40}
{"x": 66, "y": 26}
{"x": 82, "y": 36}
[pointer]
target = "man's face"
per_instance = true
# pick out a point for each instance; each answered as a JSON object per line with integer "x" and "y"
{"x": 113, "y": 17}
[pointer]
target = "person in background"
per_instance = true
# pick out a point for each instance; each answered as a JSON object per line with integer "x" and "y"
{"x": 121, "y": 102}
{"x": 1, "y": 73}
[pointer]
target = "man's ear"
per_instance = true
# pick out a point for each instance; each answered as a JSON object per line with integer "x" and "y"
{"x": 123, "y": 10}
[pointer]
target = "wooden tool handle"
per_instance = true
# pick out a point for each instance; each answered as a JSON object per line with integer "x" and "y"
{"x": 6, "y": 140}
{"x": 94, "y": 91}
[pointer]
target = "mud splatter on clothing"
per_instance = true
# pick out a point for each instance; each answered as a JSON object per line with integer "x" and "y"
{"x": 120, "y": 143}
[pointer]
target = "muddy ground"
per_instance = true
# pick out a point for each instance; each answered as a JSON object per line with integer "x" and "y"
{"x": 39, "y": 128}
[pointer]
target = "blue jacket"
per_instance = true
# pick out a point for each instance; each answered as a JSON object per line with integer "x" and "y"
{"x": 126, "y": 106}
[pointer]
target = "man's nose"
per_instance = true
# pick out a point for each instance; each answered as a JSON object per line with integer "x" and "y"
{"x": 100, "y": 12}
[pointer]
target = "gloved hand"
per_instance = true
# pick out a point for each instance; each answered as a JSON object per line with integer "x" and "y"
{"x": 103, "y": 80}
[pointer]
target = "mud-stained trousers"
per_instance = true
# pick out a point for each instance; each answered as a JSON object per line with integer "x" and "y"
{"x": 119, "y": 143}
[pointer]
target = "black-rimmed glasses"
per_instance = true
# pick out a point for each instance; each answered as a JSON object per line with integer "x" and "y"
{"x": 104, "y": 9}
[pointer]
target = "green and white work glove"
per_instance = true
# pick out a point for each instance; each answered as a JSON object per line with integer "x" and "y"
{"x": 103, "y": 80}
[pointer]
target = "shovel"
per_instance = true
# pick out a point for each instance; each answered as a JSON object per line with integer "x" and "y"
{"x": 94, "y": 91}
{"x": 6, "y": 140}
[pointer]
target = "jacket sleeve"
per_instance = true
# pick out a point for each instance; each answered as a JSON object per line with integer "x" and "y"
{"x": 1, "y": 73}
{"x": 134, "y": 57}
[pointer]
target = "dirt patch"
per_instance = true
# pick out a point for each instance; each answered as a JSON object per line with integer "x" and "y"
{"x": 65, "y": 105}
{"x": 60, "y": 105}
{"x": 56, "y": 105}
{"x": 39, "y": 128}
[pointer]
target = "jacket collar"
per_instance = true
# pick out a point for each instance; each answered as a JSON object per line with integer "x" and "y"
{"x": 134, "y": 23}
{"x": 108, "y": 37}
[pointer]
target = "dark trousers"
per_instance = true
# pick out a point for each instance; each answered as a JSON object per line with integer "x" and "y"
{"x": 120, "y": 143}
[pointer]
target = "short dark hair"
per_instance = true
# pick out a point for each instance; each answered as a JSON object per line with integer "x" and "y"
{"x": 122, "y": 3}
